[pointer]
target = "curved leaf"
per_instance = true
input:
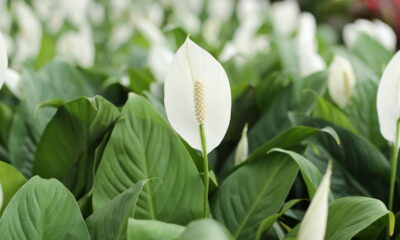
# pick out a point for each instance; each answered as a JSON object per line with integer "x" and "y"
{"x": 110, "y": 221}
{"x": 43, "y": 209}
{"x": 205, "y": 229}
{"x": 10, "y": 180}
{"x": 252, "y": 192}
{"x": 143, "y": 146}
{"x": 69, "y": 140}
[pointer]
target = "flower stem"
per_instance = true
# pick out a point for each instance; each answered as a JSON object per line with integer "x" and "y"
{"x": 205, "y": 165}
{"x": 393, "y": 162}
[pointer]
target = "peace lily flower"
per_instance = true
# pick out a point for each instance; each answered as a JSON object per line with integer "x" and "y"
{"x": 160, "y": 57}
{"x": 3, "y": 60}
{"x": 309, "y": 59}
{"x": 29, "y": 36}
{"x": 242, "y": 149}
{"x": 314, "y": 222}
{"x": 13, "y": 82}
{"x": 197, "y": 101}
{"x": 341, "y": 80}
{"x": 78, "y": 46}
{"x": 284, "y": 16}
{"x": 376, "y": 29}
{"x": 388, "y": 107}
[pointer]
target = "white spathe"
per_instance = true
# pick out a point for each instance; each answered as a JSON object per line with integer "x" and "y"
{"x": 192, "y": 63}
{"x": 78, "y": 47}
{"x": 242, "y": 150}
{"x": 160, "y": 57}
{"x": 376, "y": 29}
{"x": 284, "y": 16}
{"x": 341, "y": 79}
{"x": 13, "y": 82}
{"x": 29, "y": 36}
{"x": 388, "y": 99}
{"x": 3, "y": 60}
{"x": 309, "y": 59}
{"x": 313, "y": 226}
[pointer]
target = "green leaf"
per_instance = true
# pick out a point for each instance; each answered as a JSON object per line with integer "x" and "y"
{"x": 268, "y": 221}
{"x": 327, "y": 111}
{"x": 143, "y": 146}
{"x": 10, "y": 180}
{"x": 311, "y": 175}
{"x": 294, "y": 97}
{"x": 43, "y": 209}
{"x": 153, "y": 230}
{"x": 56, "y": 81}
{"x": 350, "y": 215}
{"x": 252, "y": 192}
{"x": 348, "y": 177}
{"x": 6, "y": 116}
{"x": 205, "y": 229}
{"x": 110, "y": 221}
{"x": 66, "y": 148}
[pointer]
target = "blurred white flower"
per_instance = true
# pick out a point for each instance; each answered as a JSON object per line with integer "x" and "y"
{"x": 13, "y": 82}
{"x": 97, "y": 12}
{"x": 76, "y": 11}
{"x": 341, "y": 80}
{"x": 242, "y": 150}
{"x": 3, "y": 60}
{"x": 150, "y": 31}
{"x": 284, "y": 16}
{"x": 388, "y": 99}
{"x": 51, "y": 13}
{"x": 78, "y": 47}
{"x": 120, "y": 34}
{"x": 197, "y": 92}
{"x": 218, "y": 13}
{"x": 29, "y": 36}
{"x": 309, "y": 59}
{"x": 376, "y": 29}
{"x": 5, "y": 17}
{"x": 313, "y": 226}
{"x": 160, "y": 57}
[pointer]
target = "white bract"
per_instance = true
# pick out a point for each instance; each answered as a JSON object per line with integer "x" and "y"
{"x": 314, "y": 222}
{"x": 341, "y": 80}
{"x": 3, "y": 60}
{"x": 29, "y": 36}
{"x": 197, "y": 92}
{"x": 388, "y": 99}
{"x": 13, "y": 82}
{"x": 309, "y": 59}
{"x": 284, "y": 16}
{"x": 376, "y": 29}
{"x": 242, "y": 149}
{"x": 78, "y": 47}
{"x": 160, "y": 57}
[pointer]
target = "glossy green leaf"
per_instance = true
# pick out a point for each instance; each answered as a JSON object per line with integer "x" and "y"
{"x": 10, "y": 180}
{"x": 43, "y": 209}
{"x": 143, "y": 146}
{"x": 252, "y": 192}
{"x": 56, "y": 81}
{"x": 153, "y": 230}
{"x": 66, "y": 148}
{"x": 350, "y": 215}
{"x": 205, "y": 229}
{"x": 110, "y": 221}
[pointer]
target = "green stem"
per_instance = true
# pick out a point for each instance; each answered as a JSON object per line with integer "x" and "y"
{"x": 205, "y": 165}
{"x": 393, "y": 162}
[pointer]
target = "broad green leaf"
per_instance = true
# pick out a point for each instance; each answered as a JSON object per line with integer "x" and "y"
{"x": 252, "y": 192}
{"x": 43, "y": 209}
{"x": 10, "y": 180}
{"x": 294, "y": 97}
{"x": 327, "y": 111}
{"x": 6, "y": 115}
{"x": 66, "y": 148}
{"x": 153, "y": 230}
{"x": 269, "y": 221}
{"x": 143, "y": 146}
{"x": 57, "y": 80}
{"x": 205, "y": 229}
{"x": 350, "y": 215}
{"x": 311, "y": 175}
{"x": 359, "y": 167}
{"x": 110, "y": 221}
